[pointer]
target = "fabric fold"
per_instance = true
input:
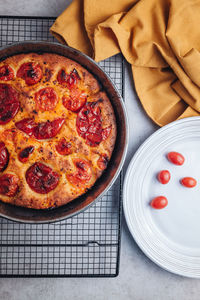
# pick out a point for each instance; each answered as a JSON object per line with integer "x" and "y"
{"x": 159, "y": 38}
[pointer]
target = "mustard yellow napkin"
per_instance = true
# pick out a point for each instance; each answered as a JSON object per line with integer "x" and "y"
{"x": 159, "y": 38}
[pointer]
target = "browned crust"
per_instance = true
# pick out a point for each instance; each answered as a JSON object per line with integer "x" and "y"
{"x": 45, "y": 150}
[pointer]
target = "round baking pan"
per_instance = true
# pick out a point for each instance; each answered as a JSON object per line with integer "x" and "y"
{"x": 112, "y": 171}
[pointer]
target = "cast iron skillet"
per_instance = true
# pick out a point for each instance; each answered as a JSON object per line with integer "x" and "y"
{"x": 109, "y": 176}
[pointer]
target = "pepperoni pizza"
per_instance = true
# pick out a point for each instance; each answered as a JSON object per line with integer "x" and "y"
{"x": 57, "y": 130}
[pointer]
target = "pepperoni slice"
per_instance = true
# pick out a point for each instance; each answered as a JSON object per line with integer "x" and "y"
{"x": 9, "y": 185}
{"x": 41, "y": 178}
{"x": 30, "y": 72}
{"x": 68, "y": 80}
{"x": 9, "y": 103}
{"x": 75, "y": 101}
{"x": 40, "y": 131}
{"x": 6, "y": 73}
{"x": 47, "y": 130}
{"x": 63, "y": 147}
{"x": 25, "y": 153}
{"x": 26, "y": 125}
{"x": 102, "y": 161}
{"x": 46, "y": 99}
{"x": 4, "y": 157}
{"x": 83, "y": 172}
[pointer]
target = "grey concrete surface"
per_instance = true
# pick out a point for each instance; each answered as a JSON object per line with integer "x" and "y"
{"x": 139, "y": 278}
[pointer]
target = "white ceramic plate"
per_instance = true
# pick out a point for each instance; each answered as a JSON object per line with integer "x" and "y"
{"x": 170, "y": 236}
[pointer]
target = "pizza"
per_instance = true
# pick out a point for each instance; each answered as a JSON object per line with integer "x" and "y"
{"x": 57, "y": 130}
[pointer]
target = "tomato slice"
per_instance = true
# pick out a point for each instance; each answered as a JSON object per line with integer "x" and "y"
{"x": 176, "y": 158}
{"x": 159, "y": 202}
{"x": 4, "y": 157}
{"x": 6, "y": 73}
{"x": 40, "y": 131}
{"x": 9, "y": 185}
{"x": 68, "y": 80}
{"x": 9, "y": 103}
{"x": 46, "y": 99}
{"x": 189, "y": 182}
{"x": 49, "y": 129}
{"x": 26, "y": 125}
{"x": 75, "y": 101}
{"x": 25, "y": 153}
{"x": 89, "y": 124}
{"x": 164, "y": 176}
{"x": 63, "y": 147}
{"x": 30, "y": 72}
{"x": 102, "y": 161}
{"x": 82, "y": 174}
{"x": 41, "y": 178}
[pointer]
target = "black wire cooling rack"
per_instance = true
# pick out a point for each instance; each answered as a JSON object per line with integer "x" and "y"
{"x": 87, "y": 244}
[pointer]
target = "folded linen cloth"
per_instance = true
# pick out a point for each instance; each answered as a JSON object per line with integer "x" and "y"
{"x": 159, "y": 38}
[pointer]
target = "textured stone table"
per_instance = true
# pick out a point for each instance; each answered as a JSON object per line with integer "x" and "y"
{"x": 139, "y": 278}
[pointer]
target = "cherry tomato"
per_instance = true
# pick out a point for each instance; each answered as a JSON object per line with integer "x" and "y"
{"x": 4, "y": 157}
{"x": 75, "y": 101}
{"x": 9, "y": 103}
{"x": 188, "y": 182}
{"x": 159, "y": 202}
{"x": 30, "y": 72}
{"x": 46, "y": 99}
{"x": 41, "y": 131}
{"x": 82, "y": 174}
{"x": 41, "y": 178}
{"x": 89, "y": 124}
{"x": 25, "y": 153}
{"x": 102, "y": 161}
{"x": 176, "y": 158}
{"x": 9, "y": 185}
{"x": 63, "y": 147}
{"x": 164, "y": 176}
{"x": 47, "y": 130}
{"x": 68, "y": 80}
{"x": 6, "y": 73}
{"x": 26, "y": 125}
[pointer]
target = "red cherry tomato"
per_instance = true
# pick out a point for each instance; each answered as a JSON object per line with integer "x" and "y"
{"x": 176, "y": 158}
{"x": 4, "y": 157}
{"x": 9, "y": 103}
{"x": 6, "y": 73}
{"x": 41, "y": 131}
{"x": 9, "y": 185}
{"x": 188, "y": 182}
{"x": 68, "y": 80}
{"x": 102, "y": 161}
{"x": 89, "y": 124}
{"x": 41, "y": 178}
{"x": 47, "y": 130}
{"x": 26, "y": 125}
{"x": 63, "y": 147}
{"x": 25, "y": 153}
{"x": 82, "y": 174}
{"x": 164, "y": 176}
{"x": 159, "y": 202}
{"x": 30, "y": 72}
{"x": 75, "y": 101}
{"x": 46, "y": 99}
